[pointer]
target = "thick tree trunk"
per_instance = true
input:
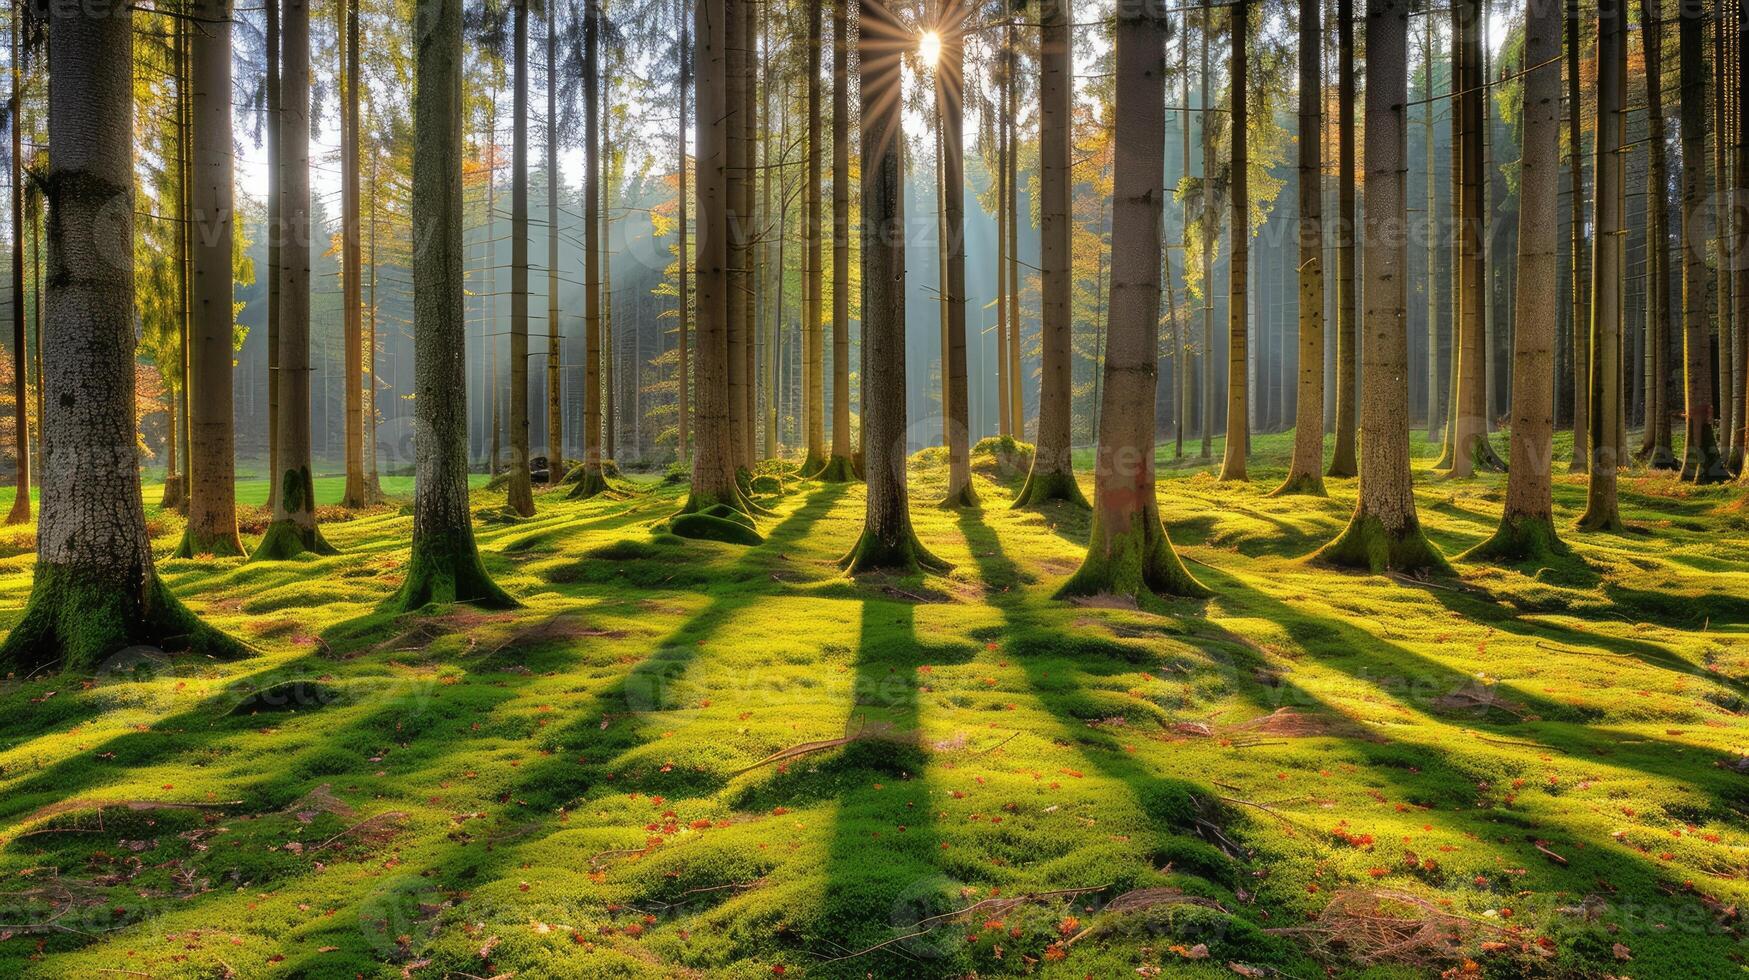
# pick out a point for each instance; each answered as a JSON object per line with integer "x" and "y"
{"x": 887, "y": 541}
{"x": 20, "y": 513}
{"x": 1580, "y": 254}
{"x": 1601, "y": 511}
{"x": 444, "y": 566}
{"x": 950, "y": 96}
{"x": 1527, "y": 528}
{"x": 1385, "y": 533}
{"x": 1307, "y": 466}
{"x": 1238, "y": 446}
{"x": 95, "y": 591}
{"x": 352, "y": 266}
{"x": 1342, "y": 460}
{"x": 839, "y": 467}
{"x": 813, "y": 337}
{"x": 683, "y": 425}
{"x": 212, "y": 494}
{"x": 1128, "y": 552}
{"x": 1657, "y": 446}
{"x": 1702, "y": 461}
{"x": 293, "y": 530}
{"x": 520, "y": 497}
{"x": 1053, "y": 471}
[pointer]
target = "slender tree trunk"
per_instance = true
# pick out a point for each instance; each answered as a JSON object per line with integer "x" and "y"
{"x": 352, "y": 288}
{"x": 20, "y": 373}
{"x": 275, "y": 246}
{"x": 1305, "y": 470}
{"x": 839, "y": 466}
{"x": 610, "y": 414}
{"x": 1208, "y": 251}
{"x": 1729, "y": 448}
{"x": 1238, "y": 260}
{"x": 445, "y": 565}
{"x": 1053, "y": 471}
{"x": 950, "y": 96}
{"x": 1702, "y": 462}
{"x": 1470, "y": 447}
{"x": 184, "y": 239}
{"x": 212, "y": 494}
{"x": 736, "y": 80}
{"x": 1016, "y": 382}
{"x": 682, "y": 440}
{"x": 1740, "y": 233}
{"x": 1385, "y": 532}
{"x": 1004, "y": 123}
{"x": 555, "y": 382}
{"x": 593, "y": 480}
{"x": 294, "y": 529}
{"x": 373, "y": 487}
{"x": 747, "y": 117}
{"x": 1580, "y": 257}
{"x": 1181, "y": 319}
{"x": 813, "y": 338}
{"x": 1527, "y": 528}
{"x": 1601, "y": 511}
{"x": 887, "y": 541}
{"x": 1128, "y": 552}
{"x": 94, "y": 590}
{"x": 1657, "y": 444}
{"x": 1342, "y": 461}
{"x": 1435, "y": 397}
{"x": 520, "y": 499}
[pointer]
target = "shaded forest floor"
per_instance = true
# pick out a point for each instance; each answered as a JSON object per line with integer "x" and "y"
{"x": 1528, "y": 771}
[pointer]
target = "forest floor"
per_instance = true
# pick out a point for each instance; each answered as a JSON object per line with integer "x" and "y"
{"x": 1523, "y": 772}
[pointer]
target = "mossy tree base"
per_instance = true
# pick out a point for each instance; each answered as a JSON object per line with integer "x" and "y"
{"x": 1367, "y": 544}
{"x": 173, "y": 499}
{"x": 1041, "y": 487}
{"x": 287, "y": 539}
{"x": 1304, "y": 485}
{"x": 1483, "y": 457}
{"x": 20, "y": 513}
{"x": 811, "y": 466}
{"x": 1606, "y": 518}
{"x": 838, "y": 469}
{"x": 1520, "y": 538}
{"x": 1704, "y": 463}
{"x": 1139, "y": 561}
{"x": 592, "y": 482}
{"x": 718, "y": 523}
{"x": 195, "y": 545}
{"x": 446, "y": 569}
{"x": 964, "y": 498}
{"x": 906, "y": 556}
{"x": 1661, "y": 458}
{"x": 75, "y": 624}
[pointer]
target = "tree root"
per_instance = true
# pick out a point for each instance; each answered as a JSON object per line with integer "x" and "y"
{"x": 79, "y": 624}
{"x": 1366, "y": 544}
{"x": 286, "y": 539}
{"x": 906, "y": 555}
{"x": 838, "y": 469}
{"x": 445, "y": 568}
{"x": 1520, "y": 538}
{"x": 1304, "y": 485}
{"x": 1043, "y": 486}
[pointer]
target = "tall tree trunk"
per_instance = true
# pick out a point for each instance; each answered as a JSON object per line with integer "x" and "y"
{"x": 1702, "y": 462}
{"x": 1385, "y": 533}
{"x": 1342, "y": 461}
{"x": 1181, "y": 319}
{"x": 950, "y": 96}
{"x": 839, "y": 467}
{"x": 887, "y": 541}
{"x": 555, "y": 381}
{"x": 716, "y": 497}
{"x": 813, "y": 338}
{"x": 1470, "y": 447}
{"x": 1208, "y": 250}
{"x": 294, "y": 529}
{"x": 739, "y": 68}
{"x": 682, "y": 435}
{"x": 1306, "y": 469}
{"x": 1657, "y": 444}
{"x": 1016, "y": 382}
{"x": 94, "y": 590}
{"x": 593, "y": 480}
{"x": 20, "y": 513}
{"x": 610, "y": 413}
{"x": 352, "y": 267}
{"x": 1729, "y": 448}
{"x": 1128, "y": 552}
{"x": 445, "y": 565}
{"x": 1740, "y": 232}
{"x": 1430, "y": 219}
{"x": 1053, "y": 471}
{"x": 520, "y": 497}
{"x": 1003, "y": 124}
{"x": 1238, "y": 259}
{"x": 373, "y": 487}
{"x": 1580, "y": 257}
{"x": 1527, "y": 527}
{"x": 1601, "y": 510}
{"x": 212, "y": 494}
{"x": 747, "y": 117}
{"x": 275, "y": 246}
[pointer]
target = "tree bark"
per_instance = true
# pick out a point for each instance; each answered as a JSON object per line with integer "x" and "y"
{"x": 682, "y": 440}
{"x": 1053, "y": 471}
{"x": 950, "y": 96}
{"x": 1238, "y": 445}
{"x": 444, "y": 566}
{"x": 813, "y": 337}
{"x": 555, "y": 382}
{"x": 593, "y": 480}
{"x": 352, "y": 266}
{"x": 1307, "y": 466}
{"x": 520, "y": 498}
{"x": 1601, "y": 510}
{"x": 887, "y": 541}
{"x": 294, "y": 528}
{"x": 1342, "y": 460}
{"x": 275, "y": 245}
{"x": 1527, "y": 527}
{"x": 1470, "y": 447}
{"x": 94, "y": 590}
{"x": 212, "y": 494}
{"x": 839, "y": 467}
{"x": 1580, "y": 258}
{"x": 1656, "y": 447}
{"x": 20, "y": 513}
{"x": 1208, "y": 251}
{"x": 1128, "y": 552}
{"x": 1702, "y": 461}
{"x": 1385, "y": 533}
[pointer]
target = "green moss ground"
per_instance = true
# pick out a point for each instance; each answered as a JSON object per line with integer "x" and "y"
{"x": 564, "y": 789}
